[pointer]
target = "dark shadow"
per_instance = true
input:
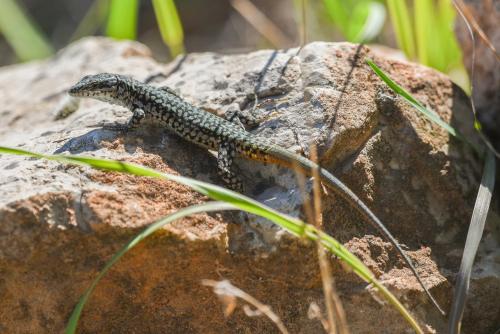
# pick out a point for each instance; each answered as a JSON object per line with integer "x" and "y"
{"x": 177, "y": 67}
{"x": 264, "y": 71}
{"x": 343, "y": 90}
{"x": 89, "y": 141}
{"x": 174, "y": 151}
{"x": 413, "y": 209}
{"x": 463, "y": 119}
{"x": 247, "y": 109}
{"x": 257, "y": 93}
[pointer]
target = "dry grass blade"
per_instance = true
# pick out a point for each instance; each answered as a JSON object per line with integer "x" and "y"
{"x": 303, "y": 23}
{"x": 314, "y": 313}
{"x": 92, "y": 20}
{"x": 338, "y": 321}
{"x": 261, "y": 23}
{"x": 229, "y": 293}
{"x": 474, "y": 235}
{"x": 325, "y": 270}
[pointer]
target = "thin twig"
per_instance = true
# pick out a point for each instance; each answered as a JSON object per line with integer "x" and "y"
{"x": 229, "y": 293}
{"x": 303, "y": 39}
{"x": 261, "y": 23}
{"x": 92, "y": 20}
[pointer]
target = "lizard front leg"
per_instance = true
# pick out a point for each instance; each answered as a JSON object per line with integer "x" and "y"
{"x": 133, "y": 122}
{"x": 227, "y": 170}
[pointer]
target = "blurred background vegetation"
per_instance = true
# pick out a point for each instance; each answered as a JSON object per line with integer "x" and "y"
{"x": 421, "y": 29}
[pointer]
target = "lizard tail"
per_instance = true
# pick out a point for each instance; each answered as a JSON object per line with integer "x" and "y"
{"x": 291, "y": 160}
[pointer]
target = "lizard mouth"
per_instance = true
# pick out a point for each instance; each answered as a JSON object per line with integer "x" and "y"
{"x": 81, "y": 90}
{"x": 75, "y": 91}
{"x": 99, "y": 86}
{"x": 84, "y": 91}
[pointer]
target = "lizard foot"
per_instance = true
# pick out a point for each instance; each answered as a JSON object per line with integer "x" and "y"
{"x": 123, "y": 128}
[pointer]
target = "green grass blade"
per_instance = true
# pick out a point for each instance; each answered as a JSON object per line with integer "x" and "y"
{"x": 451, "y": 52}
{"x": 448, "y": 47}
{"x": 338, "y": 14}
{"x": 122, "y": 20}
{"x": 292, "y": 225}
{"x": 424, "y": 26}
{"x": 431, "y": 115}
{"x": 403, "y": 28}
{"x": 200, "y": 208}
{"x": 474, "y": 235}
{"x": 431, "y": 44}
{"x": 170, "y": 25}
{"x": 21, "y": 33}
{"x": 357, "y": 18}
{"x": 358, "y": 21}
{"x": 367, "y": 20}
{"x": 437, "y": 46}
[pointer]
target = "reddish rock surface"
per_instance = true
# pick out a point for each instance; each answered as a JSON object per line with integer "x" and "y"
{"x": 60, "y": 224}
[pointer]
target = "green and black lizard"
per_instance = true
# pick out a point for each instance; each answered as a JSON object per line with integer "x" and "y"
{"x": 164, "y": 107}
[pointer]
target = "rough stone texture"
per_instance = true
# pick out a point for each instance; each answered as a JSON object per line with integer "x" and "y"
{"x": 487, "y": 66}
{"x": 59, "y": 224}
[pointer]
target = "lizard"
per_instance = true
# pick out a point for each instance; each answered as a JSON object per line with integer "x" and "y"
{"x": 164, "y": 107}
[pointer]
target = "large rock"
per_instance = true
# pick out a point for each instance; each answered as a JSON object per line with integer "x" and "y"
{"x": 59, "y": 224}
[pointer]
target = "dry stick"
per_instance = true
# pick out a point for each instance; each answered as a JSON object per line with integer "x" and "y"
{"x": 324, "y": 266}
{"x": 314, "y": 312}
{"x": 261, "y": 23}
{"x": 225, "y": 289}
{"x": 467, "y": 15}
{"x": 303, "y": 32}
{"x": 473, "y": 63}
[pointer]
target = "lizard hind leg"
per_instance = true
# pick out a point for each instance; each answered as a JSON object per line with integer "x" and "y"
{"x": 227, "y": 169}
{"x": 245, "y": 119}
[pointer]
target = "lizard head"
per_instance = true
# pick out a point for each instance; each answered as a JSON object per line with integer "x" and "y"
{"x": 103, "y": 86}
